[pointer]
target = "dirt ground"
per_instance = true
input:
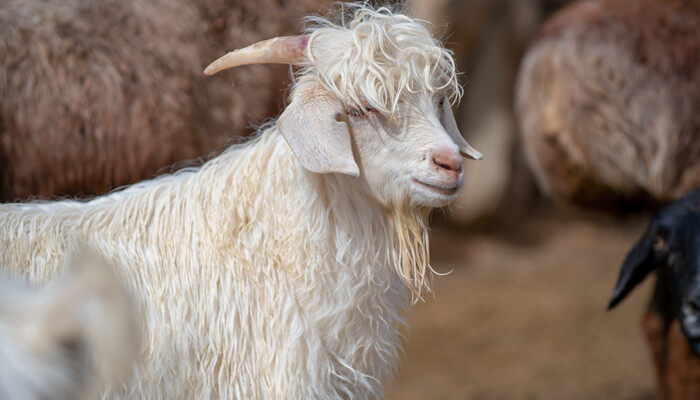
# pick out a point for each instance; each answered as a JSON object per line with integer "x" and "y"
{"x": 522, "y": 315}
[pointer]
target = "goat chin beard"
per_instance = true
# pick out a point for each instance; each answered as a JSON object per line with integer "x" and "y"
{"x": 410, "y": 254}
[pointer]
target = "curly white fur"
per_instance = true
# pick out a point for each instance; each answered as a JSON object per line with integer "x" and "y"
{"x": 372, "y": 56}
{"x": 255, "y": 278}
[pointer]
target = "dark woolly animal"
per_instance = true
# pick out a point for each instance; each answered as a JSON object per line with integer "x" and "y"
{"x": 671, "y": 247}
{"x": 608, "y": 101}
{"x": 95, "y": 94}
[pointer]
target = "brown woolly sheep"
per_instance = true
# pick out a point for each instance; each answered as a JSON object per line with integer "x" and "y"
{"x": 95, "y": 94}
{"x": 608, "y": 99}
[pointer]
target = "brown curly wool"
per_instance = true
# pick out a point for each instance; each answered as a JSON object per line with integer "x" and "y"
{"x": 95, "y": 94}
{"x": 608, "y": 99}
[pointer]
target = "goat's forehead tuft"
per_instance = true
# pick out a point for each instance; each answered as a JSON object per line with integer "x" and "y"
{"x": 373, "y": 57}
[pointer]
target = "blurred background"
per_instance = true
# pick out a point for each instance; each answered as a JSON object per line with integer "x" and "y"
{"x": 521, "y": 314}
{"x": 521, "y": 311}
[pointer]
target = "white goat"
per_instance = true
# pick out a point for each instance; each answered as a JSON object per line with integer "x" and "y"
{"x": 67, "y": 341}
{"x": 280, "y": 268}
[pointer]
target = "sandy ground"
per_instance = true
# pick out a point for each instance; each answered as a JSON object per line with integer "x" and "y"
{"x": 522, "y": 315}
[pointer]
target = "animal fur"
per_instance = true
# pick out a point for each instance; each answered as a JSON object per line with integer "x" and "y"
{"x": 677, "y": 367}
{"x": 608, "y": 99}
{"x": 96, "y": 94}
{"x": 232, "y": 250}
{"x": 67, "y": 341}
{"x": 254, "y": 277}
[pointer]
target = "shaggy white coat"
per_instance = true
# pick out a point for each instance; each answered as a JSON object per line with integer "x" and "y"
{"x": 255, "y": 278}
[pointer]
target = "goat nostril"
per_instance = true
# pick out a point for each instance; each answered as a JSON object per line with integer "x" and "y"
{"x": 448, "y": 162}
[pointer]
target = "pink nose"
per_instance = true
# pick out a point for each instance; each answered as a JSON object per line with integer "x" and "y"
{"x": 448, "y": 160}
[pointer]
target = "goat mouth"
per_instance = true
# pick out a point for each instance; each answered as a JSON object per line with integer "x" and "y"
{"x": 444, "y": 190}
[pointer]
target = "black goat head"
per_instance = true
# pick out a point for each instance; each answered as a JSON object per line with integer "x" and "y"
{"x": 671, "y": 246}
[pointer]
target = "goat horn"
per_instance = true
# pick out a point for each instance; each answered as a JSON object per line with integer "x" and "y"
{"x": 279, "y": 50}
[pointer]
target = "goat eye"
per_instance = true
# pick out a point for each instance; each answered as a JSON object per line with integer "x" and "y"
{"x": 357, "y": 112}
{"x": 659, "y": 244}
{"x": 441, "y": 102}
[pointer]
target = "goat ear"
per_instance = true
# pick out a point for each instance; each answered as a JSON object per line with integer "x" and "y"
{"x": 637, "y": 265}
{"x": 448, "y": 122}
{"x": 318, "y": 140}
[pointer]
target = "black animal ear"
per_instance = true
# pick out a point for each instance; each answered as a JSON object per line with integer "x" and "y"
{"x": 638, "y": 264}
